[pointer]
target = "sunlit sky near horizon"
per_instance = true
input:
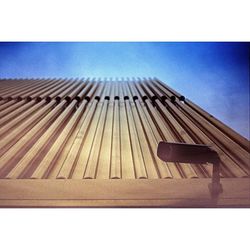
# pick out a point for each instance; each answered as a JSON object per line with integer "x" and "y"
{"x": 213, "y": 75}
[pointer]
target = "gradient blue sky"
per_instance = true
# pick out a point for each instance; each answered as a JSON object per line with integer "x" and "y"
{"x": 213, "y": 75}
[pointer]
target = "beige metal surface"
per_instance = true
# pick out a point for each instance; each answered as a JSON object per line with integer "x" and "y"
{"x": 122, "y": 123}
{"x": 123, "y": 193}
{"x": 107, "y": 129}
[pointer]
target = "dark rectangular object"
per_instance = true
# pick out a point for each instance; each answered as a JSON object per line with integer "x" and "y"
{"x": 186, "y": 153}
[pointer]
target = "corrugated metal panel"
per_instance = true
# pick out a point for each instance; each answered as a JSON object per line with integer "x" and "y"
{"x": 106, "y": 129}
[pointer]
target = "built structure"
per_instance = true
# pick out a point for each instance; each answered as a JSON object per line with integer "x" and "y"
{"x": 93, "y": 142}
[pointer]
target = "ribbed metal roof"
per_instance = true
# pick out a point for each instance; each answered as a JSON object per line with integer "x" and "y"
{"x": 106, "y": 129}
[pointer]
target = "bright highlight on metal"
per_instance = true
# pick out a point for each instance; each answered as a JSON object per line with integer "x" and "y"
{"x": 107, "y": 129}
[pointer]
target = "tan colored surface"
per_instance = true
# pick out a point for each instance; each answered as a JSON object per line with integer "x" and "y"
{"x": 87, "y": 130}
{"x": 109, "y": 193}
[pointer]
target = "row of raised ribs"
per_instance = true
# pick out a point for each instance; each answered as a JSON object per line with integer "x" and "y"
{"x": 87, "y": 128}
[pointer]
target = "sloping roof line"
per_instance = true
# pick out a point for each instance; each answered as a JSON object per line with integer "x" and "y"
{"x": 106, "y": 129}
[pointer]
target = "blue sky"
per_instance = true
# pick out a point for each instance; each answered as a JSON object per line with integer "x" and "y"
{"x": 213, "y": 75}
